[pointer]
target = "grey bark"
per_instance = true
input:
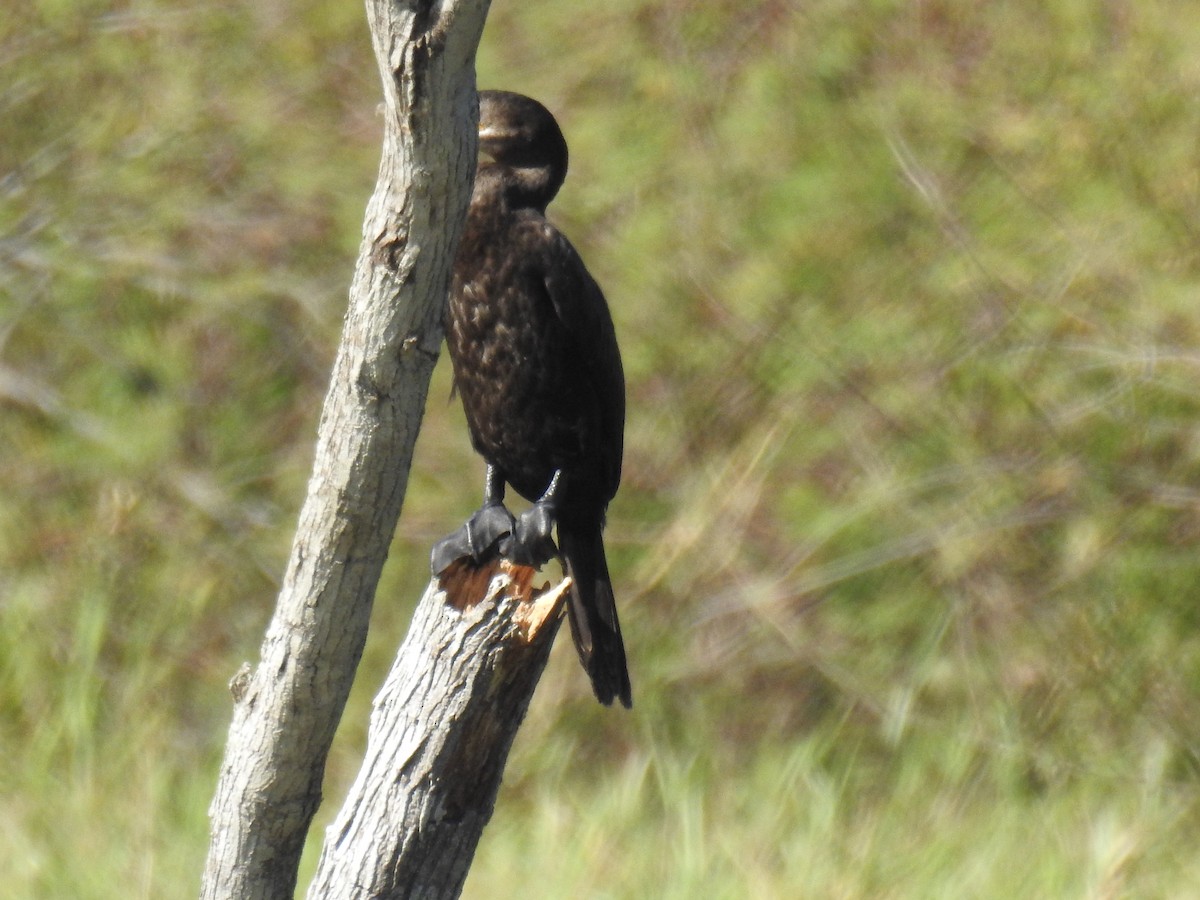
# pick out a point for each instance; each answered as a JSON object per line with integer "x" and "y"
{"x": 439, "y": 738}
{"x": 287, "y": 708}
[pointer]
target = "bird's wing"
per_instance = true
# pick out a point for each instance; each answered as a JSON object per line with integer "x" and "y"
{"x": 581, "y": 307}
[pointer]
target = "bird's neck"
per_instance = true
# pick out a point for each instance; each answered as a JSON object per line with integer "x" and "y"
{"x": 512, "y": 187}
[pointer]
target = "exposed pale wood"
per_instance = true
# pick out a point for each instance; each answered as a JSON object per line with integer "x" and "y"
{"x": 289, "y": 706}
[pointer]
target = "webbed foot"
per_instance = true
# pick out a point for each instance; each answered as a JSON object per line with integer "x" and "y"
{"x": 532, "y": 541}
{"x": 481, "y": 535}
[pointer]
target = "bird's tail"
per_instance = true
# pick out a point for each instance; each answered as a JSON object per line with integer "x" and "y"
{"x": 592, "y": 611}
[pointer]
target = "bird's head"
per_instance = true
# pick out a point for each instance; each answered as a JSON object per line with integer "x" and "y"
{"x": 519, "y": 137}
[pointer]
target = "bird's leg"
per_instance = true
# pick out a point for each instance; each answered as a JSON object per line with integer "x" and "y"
{"x": 493, "y": 521}
{"x": 532, "y": 542}
{"x": 486, "y": 528}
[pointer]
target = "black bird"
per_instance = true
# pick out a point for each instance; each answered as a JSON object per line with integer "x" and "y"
{"x": 537, "y": 366}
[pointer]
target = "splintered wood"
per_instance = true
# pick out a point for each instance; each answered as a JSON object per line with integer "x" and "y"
{"x": 544, "y": 606}
{"x": 467, "y": 585}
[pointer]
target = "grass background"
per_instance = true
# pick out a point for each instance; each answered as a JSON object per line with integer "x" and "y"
{"x": 906, "y": 549}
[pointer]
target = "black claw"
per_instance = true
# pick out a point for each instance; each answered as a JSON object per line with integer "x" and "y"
{"x": 482, "y": 535}
{"x": 447, "y": 550}
{"x": 532, "y": 541}
{"x": 487, "y": 527}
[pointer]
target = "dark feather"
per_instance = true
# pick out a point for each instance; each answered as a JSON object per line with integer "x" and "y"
{"x": 536, "y": 362}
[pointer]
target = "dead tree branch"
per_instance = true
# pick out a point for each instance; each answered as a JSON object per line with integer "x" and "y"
{"x": 439, "y": 738}
{"x": 288, "y": 708}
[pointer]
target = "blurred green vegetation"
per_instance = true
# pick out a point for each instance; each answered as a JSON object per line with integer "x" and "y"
{"x": 906, "y": 550}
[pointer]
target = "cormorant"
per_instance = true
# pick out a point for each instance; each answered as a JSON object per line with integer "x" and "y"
{"x": 537, "y": 366}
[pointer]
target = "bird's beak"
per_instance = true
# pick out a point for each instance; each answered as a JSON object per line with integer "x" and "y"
{"x": 487, "y": 134}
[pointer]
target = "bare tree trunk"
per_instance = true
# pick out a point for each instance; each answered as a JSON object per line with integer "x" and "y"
{"x": 439, "y": 738}
{"x": 287, "y": 709}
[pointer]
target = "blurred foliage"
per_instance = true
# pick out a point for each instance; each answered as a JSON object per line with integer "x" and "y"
{"x": 906, "y": 548}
